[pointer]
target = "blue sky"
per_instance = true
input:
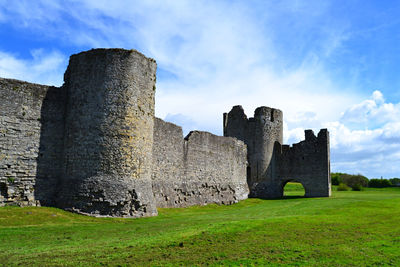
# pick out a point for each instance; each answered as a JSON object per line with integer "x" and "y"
{"x": 327, "y": 64}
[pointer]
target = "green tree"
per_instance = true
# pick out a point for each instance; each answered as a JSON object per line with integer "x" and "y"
{"x": 335, "y": 178}
{"x": 354, "y": 181}
{"x": 379, "y": 183}
{"x": 395, "y": 181}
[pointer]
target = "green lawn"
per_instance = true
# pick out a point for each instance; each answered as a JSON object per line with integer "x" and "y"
{"x": 293, "y": 189}
{"x": 350, "y": 228}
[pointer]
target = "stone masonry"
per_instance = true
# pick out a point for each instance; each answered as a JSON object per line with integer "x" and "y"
{"x": 20, "y": 124}
{"x": 271, "y": 164}
{"x": 93, "y": 146}
{"x": 200, "y": 169}
{"x": 108, "y": 134}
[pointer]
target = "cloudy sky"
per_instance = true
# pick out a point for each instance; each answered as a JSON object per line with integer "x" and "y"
{"x": 326, "y": 64}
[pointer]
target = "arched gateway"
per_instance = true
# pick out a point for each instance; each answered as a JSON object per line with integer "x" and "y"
{"x": 292, "y": 188}
{"x": 271, "y": 164}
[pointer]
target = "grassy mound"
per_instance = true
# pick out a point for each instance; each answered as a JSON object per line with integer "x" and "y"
{"x": 350, "y": 228}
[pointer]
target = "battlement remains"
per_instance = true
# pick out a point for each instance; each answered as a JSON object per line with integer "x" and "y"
{"x": 272, "y": 164}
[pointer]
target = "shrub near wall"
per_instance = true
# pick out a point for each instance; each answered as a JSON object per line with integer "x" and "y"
{"x": 335, "y": 178}
{"x": 379, "y": 183}
{"x": 354, "y": 181}
{"x": 343, "y": 187}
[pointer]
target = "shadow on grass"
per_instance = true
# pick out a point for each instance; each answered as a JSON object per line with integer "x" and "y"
{"x": 292, "y": 197}
{"x": 285, "y": 197}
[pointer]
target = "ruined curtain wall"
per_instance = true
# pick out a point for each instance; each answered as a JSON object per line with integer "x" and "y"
{"x": 31, "y": 138}
{"x": 200, "y": 169}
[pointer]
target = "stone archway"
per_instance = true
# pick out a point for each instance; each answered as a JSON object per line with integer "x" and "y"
{"x": 292, "y": 188}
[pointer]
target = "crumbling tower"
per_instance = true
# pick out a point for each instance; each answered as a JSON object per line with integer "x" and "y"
{"x": 109, "y": 134}
{"x": 270, "y": 164}
{"x": 260, "y": 134}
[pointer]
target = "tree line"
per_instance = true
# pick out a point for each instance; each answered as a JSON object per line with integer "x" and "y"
{"x": 356, "y": 182}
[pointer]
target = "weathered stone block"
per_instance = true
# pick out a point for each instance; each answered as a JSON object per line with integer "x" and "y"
{"x": 20, "y": 108}
{"x": 200, "y": 169}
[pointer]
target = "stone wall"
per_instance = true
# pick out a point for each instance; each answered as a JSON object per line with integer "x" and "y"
{"x": 200, "y": 169}
{"x": 168, "y": 163}
{"x": 307, "y": 162}
{"x": 88, "y": 146}
{"x": 21, "y": 119}
{"x": 50, "y": 159}
{"x": 109, "y": 134}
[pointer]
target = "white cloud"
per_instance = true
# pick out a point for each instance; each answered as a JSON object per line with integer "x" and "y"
{"x": 294, "y": 135}
{"x": 31, "y": 14}
{"x": 371, "y": 113}
{"x": 44, "y": 68}
{"x": 221, "y": 54}
{"x": 377, "y": 96}
{"x": 372, "y": 148}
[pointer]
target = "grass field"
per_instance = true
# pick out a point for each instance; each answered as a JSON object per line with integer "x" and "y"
{"x": 350, "y": 228}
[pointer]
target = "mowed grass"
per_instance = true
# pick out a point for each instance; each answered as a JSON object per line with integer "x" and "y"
{"x": 350, "y": 228}
{"x": 292, "y": 189}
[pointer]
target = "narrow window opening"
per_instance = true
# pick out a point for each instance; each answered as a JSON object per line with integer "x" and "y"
{"x": 272, "y": 115}
{"x": 3, "y": 190}
{"x": 248, "y": 175}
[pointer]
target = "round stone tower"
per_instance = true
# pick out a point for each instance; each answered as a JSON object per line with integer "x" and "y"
{"x": 267, "y": 129}
{"x": 109, "y": 134}
{"x": 260, "y": 134}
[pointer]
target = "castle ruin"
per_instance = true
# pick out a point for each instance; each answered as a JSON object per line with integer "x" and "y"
{"x": 94, "y": 146}
{"x": 271, "y": 164}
